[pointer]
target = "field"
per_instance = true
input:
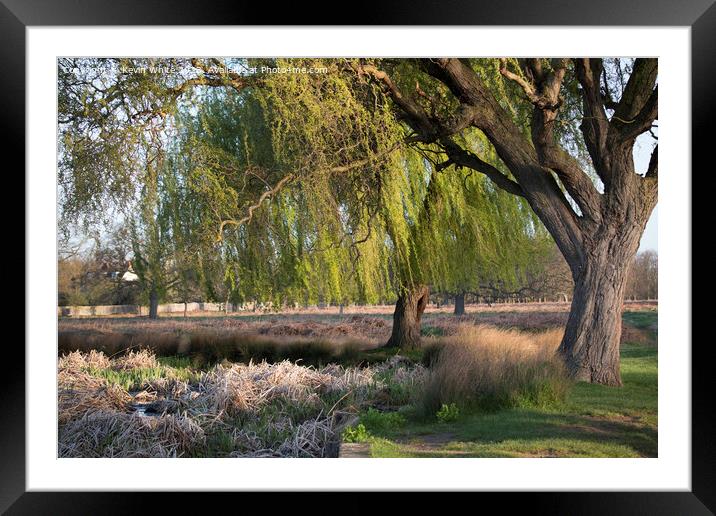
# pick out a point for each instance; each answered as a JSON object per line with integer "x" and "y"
{"x": 308, "y": 384}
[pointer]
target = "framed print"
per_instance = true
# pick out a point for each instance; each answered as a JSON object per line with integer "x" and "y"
{"x": 385, "y": 256}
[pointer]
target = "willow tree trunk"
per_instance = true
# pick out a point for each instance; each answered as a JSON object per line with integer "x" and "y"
{"x": 406, "y": 318}
{"x": 153, "y": 303}
{"x": 592, "y": 336}
{"x": 460, "y": 304}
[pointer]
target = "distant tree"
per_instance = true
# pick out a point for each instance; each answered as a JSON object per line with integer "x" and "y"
{"x": 70, "y": 273}
{"x": 94, "y": 275}
{"x": 643, "y": 282}
{"x": 548, "y": 275}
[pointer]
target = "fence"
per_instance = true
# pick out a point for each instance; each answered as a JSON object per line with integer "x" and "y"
{"x": 99, "y": 310}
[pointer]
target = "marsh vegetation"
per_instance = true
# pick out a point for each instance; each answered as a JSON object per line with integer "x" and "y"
{"x": 471, "y": 389}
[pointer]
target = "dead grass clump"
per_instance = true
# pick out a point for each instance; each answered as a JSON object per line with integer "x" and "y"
{"x": 77, "y": 361}
{"x": 169, "y": 387}
{"x": 230, "y": 391}
{"x": 400, "y": 371}
{"x": 310, "y": 439}
{"x": 167, "y": 395}
{"x": 314, "y": 437}
{"x": 80, "y": 392}
{"x": 493, "y": 368}
{"x": 142, "y": 359}
{"x": 355, "y": 379}
{"x": 246, "y": 410}
{"x": 113, "y": 434}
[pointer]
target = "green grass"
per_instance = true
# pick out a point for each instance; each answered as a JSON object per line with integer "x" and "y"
{"x": 641, "y": 319}
{"x": 135, "y": 379}
{"x": 594, "y": 421}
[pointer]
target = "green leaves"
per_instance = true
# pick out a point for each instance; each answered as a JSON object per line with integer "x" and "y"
{"x": 199, "y": 162}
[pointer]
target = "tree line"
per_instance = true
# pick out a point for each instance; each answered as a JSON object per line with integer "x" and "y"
{"x": 96, "y": 276}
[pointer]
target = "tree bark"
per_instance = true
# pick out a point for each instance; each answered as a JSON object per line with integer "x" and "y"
{"x": 153, "y": 303}
{"x": 590, "y": 346}
{"x": 406, "y": 318}
{"x": 460, "y": 304}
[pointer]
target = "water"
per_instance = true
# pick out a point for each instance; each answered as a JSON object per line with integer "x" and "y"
{"x": 140, "y": 409}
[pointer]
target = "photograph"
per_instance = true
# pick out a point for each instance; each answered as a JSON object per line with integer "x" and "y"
{"x": 357, "y": 257}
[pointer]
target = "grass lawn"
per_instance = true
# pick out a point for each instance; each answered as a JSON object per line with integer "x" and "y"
{"x": 595, "y": 421}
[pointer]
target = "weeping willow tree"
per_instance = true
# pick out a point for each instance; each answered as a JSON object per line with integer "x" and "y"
{"x": 316, "y": 196}
{"x": 150, "y": 236}
{"x": 293, "y": 179}
{"x": 288, "y": 187}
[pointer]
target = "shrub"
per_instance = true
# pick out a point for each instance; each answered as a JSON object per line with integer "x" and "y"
{"x": 448, "y": 413}
{"x": 377, "y": 421}
{"x": 355, "y": 435}
{"x": 490, "y": 368}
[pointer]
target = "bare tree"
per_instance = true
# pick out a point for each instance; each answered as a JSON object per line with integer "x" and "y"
{"x": 643, "y": 279}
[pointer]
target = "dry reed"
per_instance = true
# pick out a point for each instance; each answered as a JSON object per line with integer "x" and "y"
{"x": 493, "y": 368}
{"x": 79, "y": 392}
{"x": 113, "y": 434}
{"x": 282, "y": 409}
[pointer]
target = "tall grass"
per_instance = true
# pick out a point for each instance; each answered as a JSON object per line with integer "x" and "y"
{"x": 206, "y": 347}
{"x": 491, "y": 368}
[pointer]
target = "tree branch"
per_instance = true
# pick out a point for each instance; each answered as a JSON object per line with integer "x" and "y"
{"x": 544, "y": 94}
{"x": 642, "y": 122}
{"x": 595, "y": 124}
{"x": 463, "y": 158}
{"x": 412, "y": 112}
{"x": 267, "y": 194}
{"x": 638, "y": 90}
{"x": 250, "y": 212}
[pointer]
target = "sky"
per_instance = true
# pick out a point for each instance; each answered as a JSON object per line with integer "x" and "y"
{"x": 649, "y": 240}
{"x": 642, "y": 154}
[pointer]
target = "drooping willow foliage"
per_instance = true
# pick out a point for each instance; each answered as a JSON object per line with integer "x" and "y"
{"x": 293, "y": 187}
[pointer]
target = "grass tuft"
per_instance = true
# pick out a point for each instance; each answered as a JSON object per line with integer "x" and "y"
{"x": 491, "y": 369}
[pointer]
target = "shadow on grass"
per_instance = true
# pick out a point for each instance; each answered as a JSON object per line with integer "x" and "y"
{"x": 523, "y": 433}
{"x": 596, "y": 421}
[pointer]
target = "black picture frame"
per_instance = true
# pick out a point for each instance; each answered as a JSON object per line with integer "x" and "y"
{"x": 17, "y": 15}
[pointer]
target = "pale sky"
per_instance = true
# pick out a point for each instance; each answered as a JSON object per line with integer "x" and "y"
{"x": 649, "y": 240}
{"x": 642, "y": 154}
